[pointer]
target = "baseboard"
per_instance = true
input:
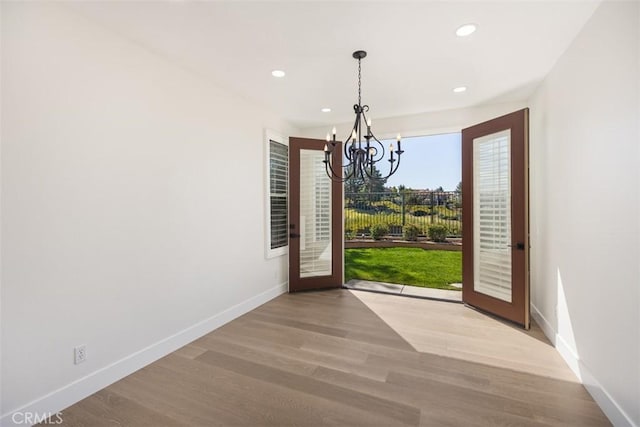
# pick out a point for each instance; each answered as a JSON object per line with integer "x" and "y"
{"x": 544, "y": 324}
{"x": 609, "y": 406}
{"x": 568, "y": 354}
{"x": 71, "y": 393}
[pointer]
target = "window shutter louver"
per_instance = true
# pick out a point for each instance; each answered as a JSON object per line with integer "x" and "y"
{"x": 278, "y": 189}
{"x": 492, "y": 216}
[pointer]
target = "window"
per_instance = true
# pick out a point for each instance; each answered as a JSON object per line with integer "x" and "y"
{"x": 277, "y": 195}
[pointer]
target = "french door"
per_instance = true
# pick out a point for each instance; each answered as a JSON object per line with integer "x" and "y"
{"x": 495, "y": 248}
{"x": 495, "y": 217}
{"x": 315, "y": 218}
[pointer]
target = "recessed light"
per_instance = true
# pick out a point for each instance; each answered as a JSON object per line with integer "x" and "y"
{"x": 466, "y": 29}
{"x": 459, "y": 89}
{"x": 326, "y": 110}
{"x": 277, "y": 73}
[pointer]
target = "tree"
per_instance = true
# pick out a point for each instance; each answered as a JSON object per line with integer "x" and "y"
{"x": 376, "y": 184}
{"x": 459, "y": 195}
{"x": 354, "y": 184}
{"x": 358, "y": 185}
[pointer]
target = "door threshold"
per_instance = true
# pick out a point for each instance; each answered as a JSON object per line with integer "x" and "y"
{"x": 404, "y": 290}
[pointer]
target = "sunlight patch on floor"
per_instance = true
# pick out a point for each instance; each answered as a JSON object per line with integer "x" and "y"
{"x": 457, "y": 331}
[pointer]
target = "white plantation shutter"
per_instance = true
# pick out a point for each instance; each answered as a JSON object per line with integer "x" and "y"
{"x": 315, "y": 215}
{"x": 492, "y": 215}
{"x": 278, "y": 193}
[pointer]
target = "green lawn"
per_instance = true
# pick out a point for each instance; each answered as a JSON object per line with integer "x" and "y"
{"x": 407, "y": 266}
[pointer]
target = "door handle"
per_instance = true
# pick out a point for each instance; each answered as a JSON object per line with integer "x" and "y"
{"x": 519, "y": 246}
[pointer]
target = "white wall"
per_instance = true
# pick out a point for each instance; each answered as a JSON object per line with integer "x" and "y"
{"x": 125, "y": 226}
{"x": 584, "y": 208}
{"x": 432, "y": 123}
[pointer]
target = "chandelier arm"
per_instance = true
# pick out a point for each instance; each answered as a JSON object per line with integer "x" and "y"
{"x": 345, "y": 166}
{"x": 382, "y": 151}
{"x": 378, "y": 178}
{"x": 392, "y": 168}
{"x": 368, "y": 136}
{"x": 368, "y": 171}
{"x": 332, "y": 175}
{"x": 375, "y": 178}
{"x": 348, "y": 140}
{"x": 364, "y": 118}
{"x": 350, "y": 163}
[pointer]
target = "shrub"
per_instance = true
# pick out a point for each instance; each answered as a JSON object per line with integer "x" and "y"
{"x": 378, "y": 231}
{"x": 438, "y": 232}
{"x": 411, "y": 232}
{"x": 349, "y": 234}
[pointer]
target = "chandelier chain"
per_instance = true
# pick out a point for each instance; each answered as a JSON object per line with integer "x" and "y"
{"x": 359, "y": 84}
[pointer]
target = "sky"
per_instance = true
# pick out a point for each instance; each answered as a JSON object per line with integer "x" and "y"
{"x": 428, "y": 162}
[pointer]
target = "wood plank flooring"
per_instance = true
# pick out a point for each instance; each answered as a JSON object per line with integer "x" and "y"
{"x": 349, "y": 358}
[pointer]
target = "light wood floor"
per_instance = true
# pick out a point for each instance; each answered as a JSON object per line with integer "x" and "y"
{"x": 350, "y": 358}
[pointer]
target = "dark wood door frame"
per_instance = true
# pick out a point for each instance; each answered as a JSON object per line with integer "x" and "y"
{"x": 296, "y": 283}
{"x": 518, "y": 310}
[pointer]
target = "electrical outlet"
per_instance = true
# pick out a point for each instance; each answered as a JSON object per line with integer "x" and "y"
{"x": 80, "y": 354}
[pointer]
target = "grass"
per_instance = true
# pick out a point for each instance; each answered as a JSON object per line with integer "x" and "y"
{"x": 407, "y": 266}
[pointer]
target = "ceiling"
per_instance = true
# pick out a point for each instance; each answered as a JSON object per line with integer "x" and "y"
{"x": 414, "y": 57}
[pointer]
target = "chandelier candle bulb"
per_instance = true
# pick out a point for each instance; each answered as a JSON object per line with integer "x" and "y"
{"x": 328, "y": 138}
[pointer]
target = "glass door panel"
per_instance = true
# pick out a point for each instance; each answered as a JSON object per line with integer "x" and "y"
{"x": 492, "y": 215}
{"x": 315, "y": 215}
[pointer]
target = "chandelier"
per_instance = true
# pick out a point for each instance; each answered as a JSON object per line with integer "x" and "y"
{"x": 361, "y": 156}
